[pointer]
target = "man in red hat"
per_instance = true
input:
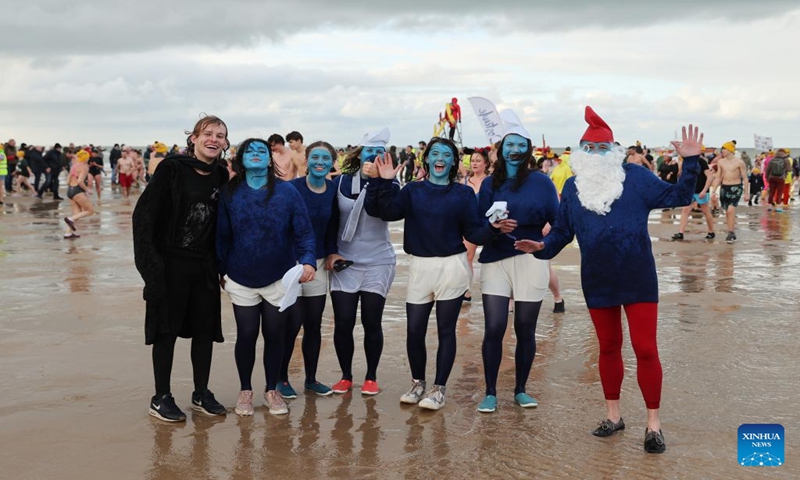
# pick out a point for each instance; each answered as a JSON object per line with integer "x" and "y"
{"x": 606, "y": 205}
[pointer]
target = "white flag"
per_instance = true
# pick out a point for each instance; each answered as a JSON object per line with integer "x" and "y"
{"x": 489, "y": 118}
{"x": 763, "y": 144}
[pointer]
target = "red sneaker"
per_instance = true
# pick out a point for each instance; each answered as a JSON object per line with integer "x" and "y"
{"x": 370, "y": 387}
{"x": 342, "y": 386}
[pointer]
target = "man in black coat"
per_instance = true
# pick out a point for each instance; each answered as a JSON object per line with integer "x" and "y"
{"x": 52, "y": 169}
{"x": 36, "y": 161}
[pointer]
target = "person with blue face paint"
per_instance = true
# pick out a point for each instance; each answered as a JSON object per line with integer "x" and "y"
{"x": 263, "y": 230}
{"x": 507, "y": 273}
{"x": 362, "y": 239}
{"x": 606, "y": 206}
{"x": 319, "y": 196}
{"x": 439, "y": 213}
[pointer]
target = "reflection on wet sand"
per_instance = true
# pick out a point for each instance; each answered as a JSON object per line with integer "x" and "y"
{"x": 76, "y": 384}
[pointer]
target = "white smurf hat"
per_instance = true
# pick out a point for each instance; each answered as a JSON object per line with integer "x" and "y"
{"x": 378, "y": 138}
{"x": 512, "y": 124}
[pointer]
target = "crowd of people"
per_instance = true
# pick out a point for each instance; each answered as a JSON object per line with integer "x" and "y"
{"x": 280, "y": 229}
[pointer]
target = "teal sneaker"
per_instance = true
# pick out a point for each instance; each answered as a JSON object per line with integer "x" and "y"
{"x": 286, "y": 390}
{"x": 319, "y": 389}
{"x": 488, "y": 405}
{"x": 525, "y": 401}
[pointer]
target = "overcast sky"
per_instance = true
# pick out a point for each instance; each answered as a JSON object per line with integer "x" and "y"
{"x": 97, "y": 72}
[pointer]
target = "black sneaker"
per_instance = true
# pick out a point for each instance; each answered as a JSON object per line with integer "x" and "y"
{"x": 164, "y": 408}
{"x": 654, "y": 442}
{"x": 559, "y": 307}
{"x": 678, "y": 236}
{"x": 731, "y": 237}
{"x": 710, "y": 236}
{"x": 205, "y": 402}
{"x": 607, "y": 428}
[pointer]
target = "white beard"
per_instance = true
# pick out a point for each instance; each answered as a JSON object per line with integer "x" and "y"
{"x": 598, "y": 178}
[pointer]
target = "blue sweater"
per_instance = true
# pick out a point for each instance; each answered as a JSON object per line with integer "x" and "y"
{"x": 617, "y": 266}
{"x": 438, "y": 217}
{"x": 533, "y": 205}
{"x": 256, "y": 240}
{"x": 324, "y": 214}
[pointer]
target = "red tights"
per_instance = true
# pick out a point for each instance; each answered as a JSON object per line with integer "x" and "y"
{"x": 642, "y": 319}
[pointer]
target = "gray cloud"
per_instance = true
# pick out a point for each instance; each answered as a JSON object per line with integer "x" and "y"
{"x": 53, "y": 27}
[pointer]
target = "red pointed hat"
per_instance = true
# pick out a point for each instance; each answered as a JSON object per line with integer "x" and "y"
{"x": 598, "y": 131}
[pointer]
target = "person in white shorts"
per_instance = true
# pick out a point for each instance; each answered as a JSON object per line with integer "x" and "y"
{"x": 507, "y": 273}
{"x": 262, "y": 227}
{"x": 439, "y": 213}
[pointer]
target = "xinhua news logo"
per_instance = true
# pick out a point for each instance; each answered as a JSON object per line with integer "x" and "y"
{"x": 761, "y": 445}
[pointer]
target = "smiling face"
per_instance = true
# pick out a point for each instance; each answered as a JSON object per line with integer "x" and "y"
{"x": 256, "y": 156}
{"x": 320, "y": 162}
{"x": 514, "y": 149}
{"x": 210, "y": 142}
{"x": 440, "y": 160}
{"x": 368, "y": 154}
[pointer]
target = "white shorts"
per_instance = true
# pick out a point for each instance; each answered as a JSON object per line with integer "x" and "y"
{"x": 521, "y": 277}
{"x": 249, "y": 297}
{"x": 319, "y": 286}
{"x": 438, "y": 278}
{"x": 364, "y": 278}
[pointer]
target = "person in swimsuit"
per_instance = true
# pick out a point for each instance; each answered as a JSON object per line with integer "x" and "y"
{"x": 479, "y": 170}
{"x": 76, "y": 192}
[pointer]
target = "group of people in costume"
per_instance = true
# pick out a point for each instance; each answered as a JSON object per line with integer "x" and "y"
{"x": 257, "y": 237}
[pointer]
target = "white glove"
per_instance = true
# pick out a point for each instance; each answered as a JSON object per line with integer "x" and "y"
{"x": 497, "y": 212}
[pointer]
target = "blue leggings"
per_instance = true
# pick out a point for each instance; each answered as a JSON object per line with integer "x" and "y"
{"x": 495, "y": 310}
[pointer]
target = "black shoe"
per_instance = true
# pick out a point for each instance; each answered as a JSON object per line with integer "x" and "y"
{"x": 607, "y": 428}
{"x": 559, "y": 307}
{"x": 164, "y": 408}
{"x": 711, "y": 236}
{"x": 205, "y": 402}
{"x": 731, "y": 237}
{"x": 678, "y": 236}
{"x": 654, "y": 442}
{"x": 58, "y": 198}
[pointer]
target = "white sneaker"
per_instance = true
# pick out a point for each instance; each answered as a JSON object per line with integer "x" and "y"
{"x": 434, "y": 400}
{"x": 414, "y": 394}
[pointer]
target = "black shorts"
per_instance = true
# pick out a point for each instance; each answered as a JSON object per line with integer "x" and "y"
{"x": 729, "y": 195}
{"x": 94, "y": 171}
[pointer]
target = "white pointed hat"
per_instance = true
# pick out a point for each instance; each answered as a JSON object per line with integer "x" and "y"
{"x": 512, "y": 124}
{"x": 378, "y": 138}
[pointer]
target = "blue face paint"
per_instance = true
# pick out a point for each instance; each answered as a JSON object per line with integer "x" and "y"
{"x": 596, "y": 148}
{"x": 440, "y": 161}
{"x": 256, "y": 159}
{"x": 320, "y": 163}
{"x": 514, "y": 149}
{"x": 368, "y": 154}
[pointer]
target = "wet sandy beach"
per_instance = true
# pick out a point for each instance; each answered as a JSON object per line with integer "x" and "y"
{"x": 76, "y": 376}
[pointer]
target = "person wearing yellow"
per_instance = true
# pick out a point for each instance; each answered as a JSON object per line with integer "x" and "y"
{"x": 561, "y": 173}
{"x": 3, "y": 173}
